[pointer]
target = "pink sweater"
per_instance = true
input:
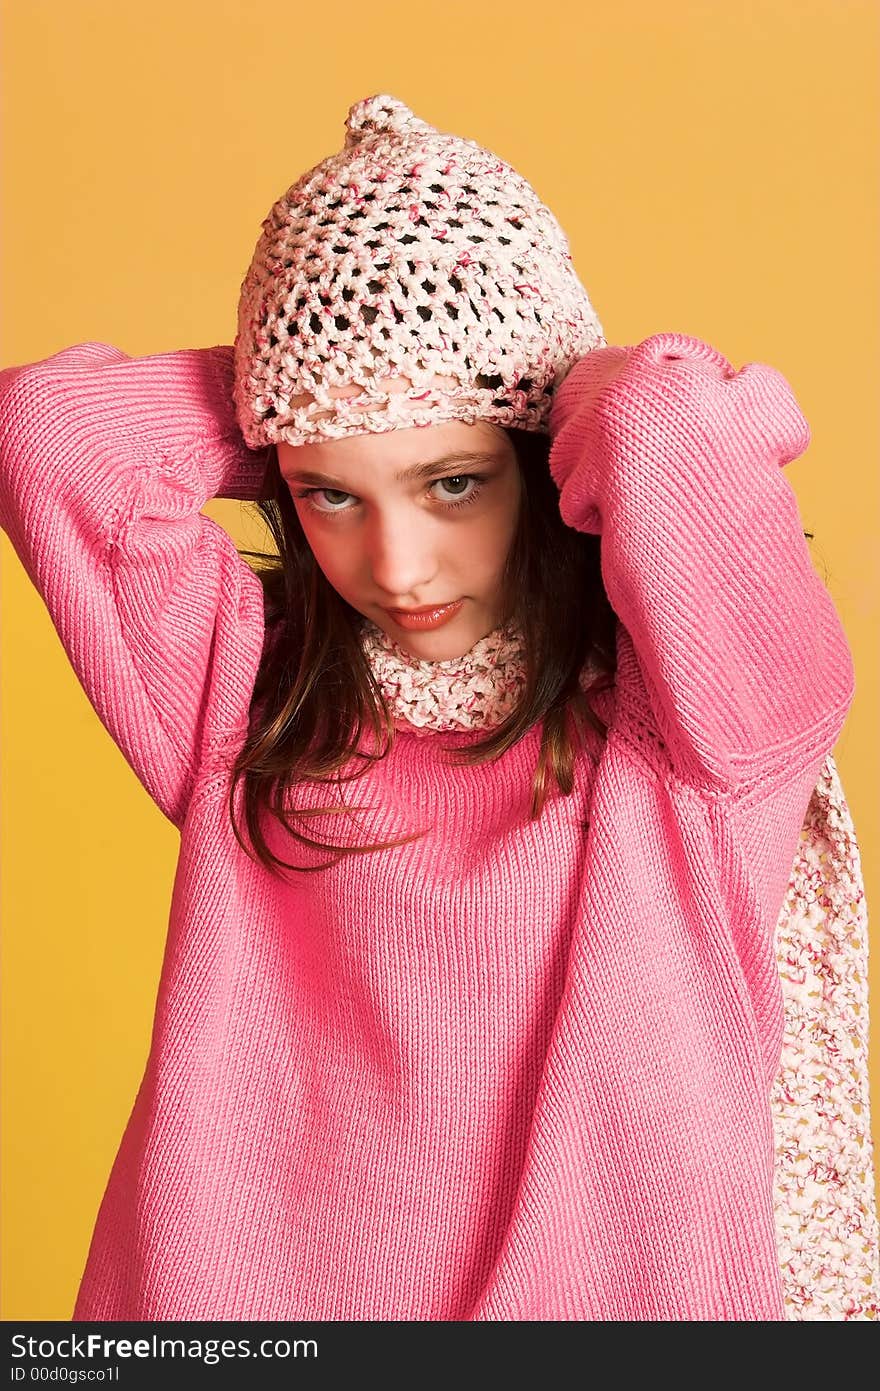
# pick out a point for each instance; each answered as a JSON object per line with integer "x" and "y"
{"x": 509, "y": 1071}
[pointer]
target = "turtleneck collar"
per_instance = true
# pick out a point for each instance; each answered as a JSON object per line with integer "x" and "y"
{"x": 475, "y": 691}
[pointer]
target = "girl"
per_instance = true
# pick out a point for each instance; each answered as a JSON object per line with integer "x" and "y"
{"x": 470, "y": 1006}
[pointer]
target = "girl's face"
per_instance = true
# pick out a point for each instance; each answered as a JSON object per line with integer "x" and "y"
{"x": 405, "y": 520}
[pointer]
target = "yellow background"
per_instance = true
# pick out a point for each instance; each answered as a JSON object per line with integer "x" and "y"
{"x": 714, "y": 165}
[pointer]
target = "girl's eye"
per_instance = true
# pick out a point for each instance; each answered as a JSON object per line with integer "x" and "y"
{"x": 456, "y": 478}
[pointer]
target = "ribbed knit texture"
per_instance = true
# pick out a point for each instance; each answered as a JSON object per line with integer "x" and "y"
{"x": 826, "y": 1218}
{"x": 512, "y": 1070}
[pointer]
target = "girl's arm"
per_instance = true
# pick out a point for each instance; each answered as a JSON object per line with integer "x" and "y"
{"x": 105, "y": 462}
{"x": 674, "y": 458}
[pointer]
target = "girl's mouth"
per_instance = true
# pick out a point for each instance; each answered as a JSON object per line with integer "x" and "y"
{"x": 425, "y": 618}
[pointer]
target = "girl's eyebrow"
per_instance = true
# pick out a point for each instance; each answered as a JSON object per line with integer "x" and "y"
{"x": 415, "y": 473}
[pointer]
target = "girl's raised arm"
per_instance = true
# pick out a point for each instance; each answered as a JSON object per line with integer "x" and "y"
{"x": 674, "y": 458}
{"x": 105, "y": 462}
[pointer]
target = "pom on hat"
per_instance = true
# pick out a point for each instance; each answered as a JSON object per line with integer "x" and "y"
{"x": 411, "y": 278}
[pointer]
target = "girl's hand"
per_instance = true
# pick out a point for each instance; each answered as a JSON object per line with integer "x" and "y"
{"x": 661, "y": 401}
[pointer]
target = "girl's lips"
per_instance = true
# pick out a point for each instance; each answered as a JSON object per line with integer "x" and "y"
{"x": 430, "y": 618}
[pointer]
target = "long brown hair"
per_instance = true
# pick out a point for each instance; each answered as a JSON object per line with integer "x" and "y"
{"x": 315, "y": 691}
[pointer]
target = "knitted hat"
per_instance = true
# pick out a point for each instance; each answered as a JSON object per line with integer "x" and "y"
{"x": 412, "y": 278}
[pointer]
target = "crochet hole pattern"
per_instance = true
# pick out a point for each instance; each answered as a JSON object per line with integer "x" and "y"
{"x": 410, "y": 255}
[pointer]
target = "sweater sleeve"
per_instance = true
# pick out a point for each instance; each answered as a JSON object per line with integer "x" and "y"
{"x": 674, "y": 459}
{"x": 105, "y": 461}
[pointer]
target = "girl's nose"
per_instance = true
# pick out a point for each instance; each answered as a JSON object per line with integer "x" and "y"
{"x": 399, "y": 558}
